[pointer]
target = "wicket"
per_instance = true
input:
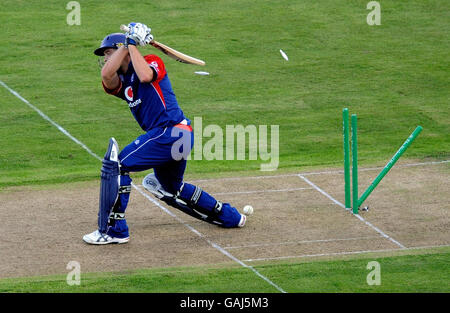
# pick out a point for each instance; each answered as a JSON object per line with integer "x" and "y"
{"x": 357, "y": 202}
{"x": 354, "y": 165}
{"x": 348, "y": 200}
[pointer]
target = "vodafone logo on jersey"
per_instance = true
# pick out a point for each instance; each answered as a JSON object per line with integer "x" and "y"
{"x": 129, "y": 93}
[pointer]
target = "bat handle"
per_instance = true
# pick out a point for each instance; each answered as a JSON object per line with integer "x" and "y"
{"x": 124, "y": 28}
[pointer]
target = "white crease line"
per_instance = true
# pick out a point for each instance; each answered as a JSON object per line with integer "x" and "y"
{"x": 298, "y": 242}
{"x": 368, "y": 169}
{"x": 213, "y": 244}
{"x": 341, "y": 253}
{"x": 243, "y": 177}
{"x": 319, "y": 173}
{"x": 424, "y": 163}
{"x": 258, "y": 191}
{"x": 315, "y": 255}
{"x": 321, "y": 191}
{"x": 254, "y": 191}
{"x": 310, "y": 255}
{"x": 357, "y": 215}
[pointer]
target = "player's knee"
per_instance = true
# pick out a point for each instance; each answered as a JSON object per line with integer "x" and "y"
{"x": 125, "y": 179}
{"x": 197, "y": 196}
{"x": 109, "y": 168}
{"x": 124, "y": 189}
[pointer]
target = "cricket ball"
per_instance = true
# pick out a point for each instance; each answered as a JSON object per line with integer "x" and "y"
{"x": 248, "y": 210}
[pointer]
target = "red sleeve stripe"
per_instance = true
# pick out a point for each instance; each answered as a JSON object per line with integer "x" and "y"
{"x": 158, "y": 90}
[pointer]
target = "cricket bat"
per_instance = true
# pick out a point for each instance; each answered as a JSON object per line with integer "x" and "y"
{"x": 174, "y": 54}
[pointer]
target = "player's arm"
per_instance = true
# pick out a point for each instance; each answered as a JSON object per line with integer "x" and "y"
{"x": 140, "y": 65}
{"x": 109, "y": 71}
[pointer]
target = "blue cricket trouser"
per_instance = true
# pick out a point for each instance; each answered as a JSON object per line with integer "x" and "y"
{"x": 165, "y": 150}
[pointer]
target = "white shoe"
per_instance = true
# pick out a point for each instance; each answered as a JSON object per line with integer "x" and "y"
{"x": 97, "y": 238}
{"x": 242, "y": 221}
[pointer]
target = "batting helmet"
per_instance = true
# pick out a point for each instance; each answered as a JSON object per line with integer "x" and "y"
{"x": 114, "y": 41}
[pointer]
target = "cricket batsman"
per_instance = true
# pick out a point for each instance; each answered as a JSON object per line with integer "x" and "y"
{"x": 142, "y": 82}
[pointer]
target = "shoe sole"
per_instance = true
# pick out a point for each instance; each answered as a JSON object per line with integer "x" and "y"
{"x": 113, "y": 241}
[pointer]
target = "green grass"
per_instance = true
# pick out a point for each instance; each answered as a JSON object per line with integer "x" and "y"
{"x": 408, "y": 273}
{"x": 394, "y": 76}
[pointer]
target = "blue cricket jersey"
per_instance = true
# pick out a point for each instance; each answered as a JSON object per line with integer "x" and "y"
{"x": 152, "y": 104}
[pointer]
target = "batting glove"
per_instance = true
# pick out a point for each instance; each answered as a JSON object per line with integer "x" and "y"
{"x": 148, "y": 38}
{"x": 139, "y": 33}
